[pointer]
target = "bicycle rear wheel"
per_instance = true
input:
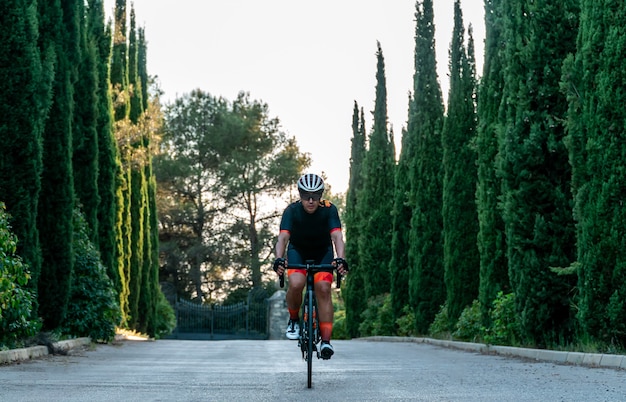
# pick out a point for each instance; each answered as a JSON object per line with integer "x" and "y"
{"x": 310, "y": 339}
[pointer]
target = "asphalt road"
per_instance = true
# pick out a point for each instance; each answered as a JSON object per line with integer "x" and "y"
{"x": 172, "y": 370}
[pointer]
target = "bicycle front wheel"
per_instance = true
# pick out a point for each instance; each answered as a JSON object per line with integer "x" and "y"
{"x": 310, "y": 339}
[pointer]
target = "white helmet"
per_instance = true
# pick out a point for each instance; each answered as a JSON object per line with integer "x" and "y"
{"x": 310, "y": 183}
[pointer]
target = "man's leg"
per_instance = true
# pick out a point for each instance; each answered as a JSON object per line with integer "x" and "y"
{"x": 294, "y": 293}
{"x": 325, "y": 311}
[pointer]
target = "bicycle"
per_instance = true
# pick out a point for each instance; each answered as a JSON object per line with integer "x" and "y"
{"x": 309, "y": 325}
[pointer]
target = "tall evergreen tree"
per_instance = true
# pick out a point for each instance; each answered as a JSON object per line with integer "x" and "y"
{"x": 24, "y": 100}
{"x": 401, "y": 221}
{"x": 85, "y": 128}
{"x": 60, "y": 24}
{"x": 138, "y": 184}
{"x": 352, "y": 289}
{"x": 124, "y": 133}
{"x": 594, "y": 80}
{"x": 494, "y": 276}
{"x": 375, "y": 199}
{"x": 535, "y": 170}
{"x": 100, "y": 34}
{"x": 426, "y": 285}
{"x": 460, "y": 219}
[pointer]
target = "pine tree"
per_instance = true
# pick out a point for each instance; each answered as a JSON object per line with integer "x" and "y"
{"x": 535, "y": 170}
{"x": 375, "y": 199}
{"x": 460, "y": 220}
{"x": 494, "y": 276}
{"x": 594, "y": 81}
{"x": 352, "y": 289}
{"x": 24, "y": 100}
{"x": 426, "y": 286}
{"x": 55, "y": 210}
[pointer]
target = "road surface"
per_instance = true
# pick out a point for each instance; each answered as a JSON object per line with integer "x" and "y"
{"x": 251, "y": 371}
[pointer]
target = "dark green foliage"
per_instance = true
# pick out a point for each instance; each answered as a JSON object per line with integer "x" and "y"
{"x": 119, "y": 63}
{"x": 24, "y": 98}
{"x": 426, "y": 285}
{"x": 460, "y": 220}
{"x": 137, "y": 212}
{"x": 401, "y": 220}
{"x": 165, "y": 316}
{"x": 85, "y": 128}
{"x": 107, "y": 148}
{"x": 537, "y": 201}
{"x": 376, "y": 197}
{"x": 16, "y": 300}
{"x": 594, "y": 81}
{"x": 377, "y": 319}
{"x": 352, "y": 289}
{"x": 56, "y": 204}
{"x": 134, "y": 81}
{"x": 93, "y": 309}
{"x": 469, "y": 326}
{"x": 491, "y": 240}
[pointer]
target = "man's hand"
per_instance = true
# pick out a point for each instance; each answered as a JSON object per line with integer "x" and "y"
{"x": 342, "y": 266}
{"x": 279, "y": 266}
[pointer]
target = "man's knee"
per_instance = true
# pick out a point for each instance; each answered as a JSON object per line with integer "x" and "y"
{"x": 322, "y": 290}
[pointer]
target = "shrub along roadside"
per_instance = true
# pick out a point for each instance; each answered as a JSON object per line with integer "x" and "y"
{"x": 16, "y": 302}
{"x": 93, "y": 309}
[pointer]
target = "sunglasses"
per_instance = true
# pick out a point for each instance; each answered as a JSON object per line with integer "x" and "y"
{"x": 310, "y": 196}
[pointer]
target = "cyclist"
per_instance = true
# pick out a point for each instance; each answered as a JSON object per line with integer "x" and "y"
{"x": 308, "y": 230}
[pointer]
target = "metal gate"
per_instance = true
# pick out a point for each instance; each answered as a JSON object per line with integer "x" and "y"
{"x": 244, "y": 320}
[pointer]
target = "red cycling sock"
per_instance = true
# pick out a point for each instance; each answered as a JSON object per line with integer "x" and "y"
{"x": 293, "y": 314}
{"x": 326, "y": 330}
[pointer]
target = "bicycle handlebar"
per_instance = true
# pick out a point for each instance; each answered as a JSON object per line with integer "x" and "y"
{"x": 312, "y": 268}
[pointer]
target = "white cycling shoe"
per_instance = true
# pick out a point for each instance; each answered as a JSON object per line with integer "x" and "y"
{"x": 293, "y": 330}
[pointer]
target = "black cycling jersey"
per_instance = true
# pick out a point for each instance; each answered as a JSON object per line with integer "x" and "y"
{"x": 310, "y": 233}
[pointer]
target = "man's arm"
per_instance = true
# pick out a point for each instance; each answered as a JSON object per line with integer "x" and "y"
{"x": 337, "y": 237}
{"x": 281, "y": 246}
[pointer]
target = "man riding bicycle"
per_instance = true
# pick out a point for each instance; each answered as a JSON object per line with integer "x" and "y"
{"x": 308, "y": 230}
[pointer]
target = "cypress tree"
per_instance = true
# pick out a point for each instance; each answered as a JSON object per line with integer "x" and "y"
{"x": 123, "y": 134}
{"x": 375, "y": 199}
{"x": 594, "y": 80}
{"x": 535, "y": 170}
{"x": 107, "y": 147}
{"x": 494, "y": 276}
{"x": 56, "y": 204}
{"x": 138, "y": 187}
{"x": 85, "y": 134}
{"x": 24, "y": 99}
{"x": 401, "y": 223}
{"x": 460, "y": 220}
{"x": 352, "y": 290}
{"x": 426, "y": 285}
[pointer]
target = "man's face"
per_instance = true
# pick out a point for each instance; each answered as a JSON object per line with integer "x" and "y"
{"x": 310, "y": 201}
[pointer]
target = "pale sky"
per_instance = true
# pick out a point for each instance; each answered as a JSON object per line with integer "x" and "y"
{"x": 308, "y": 61}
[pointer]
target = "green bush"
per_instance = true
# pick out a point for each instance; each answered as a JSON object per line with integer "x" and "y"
{"x": 406, "y": 323}
{"x": 439, "y": 327}
{"x": 377, "y": 319}
{"x": 504, "y": 329}
{"x": 165, "y": 316}
{"x": 469, "y": 327}
{"x": 16, "y": 302}
{"x": 93, "y": 309}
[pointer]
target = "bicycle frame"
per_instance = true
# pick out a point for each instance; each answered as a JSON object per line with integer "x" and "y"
{"x": 309, "y": 328}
